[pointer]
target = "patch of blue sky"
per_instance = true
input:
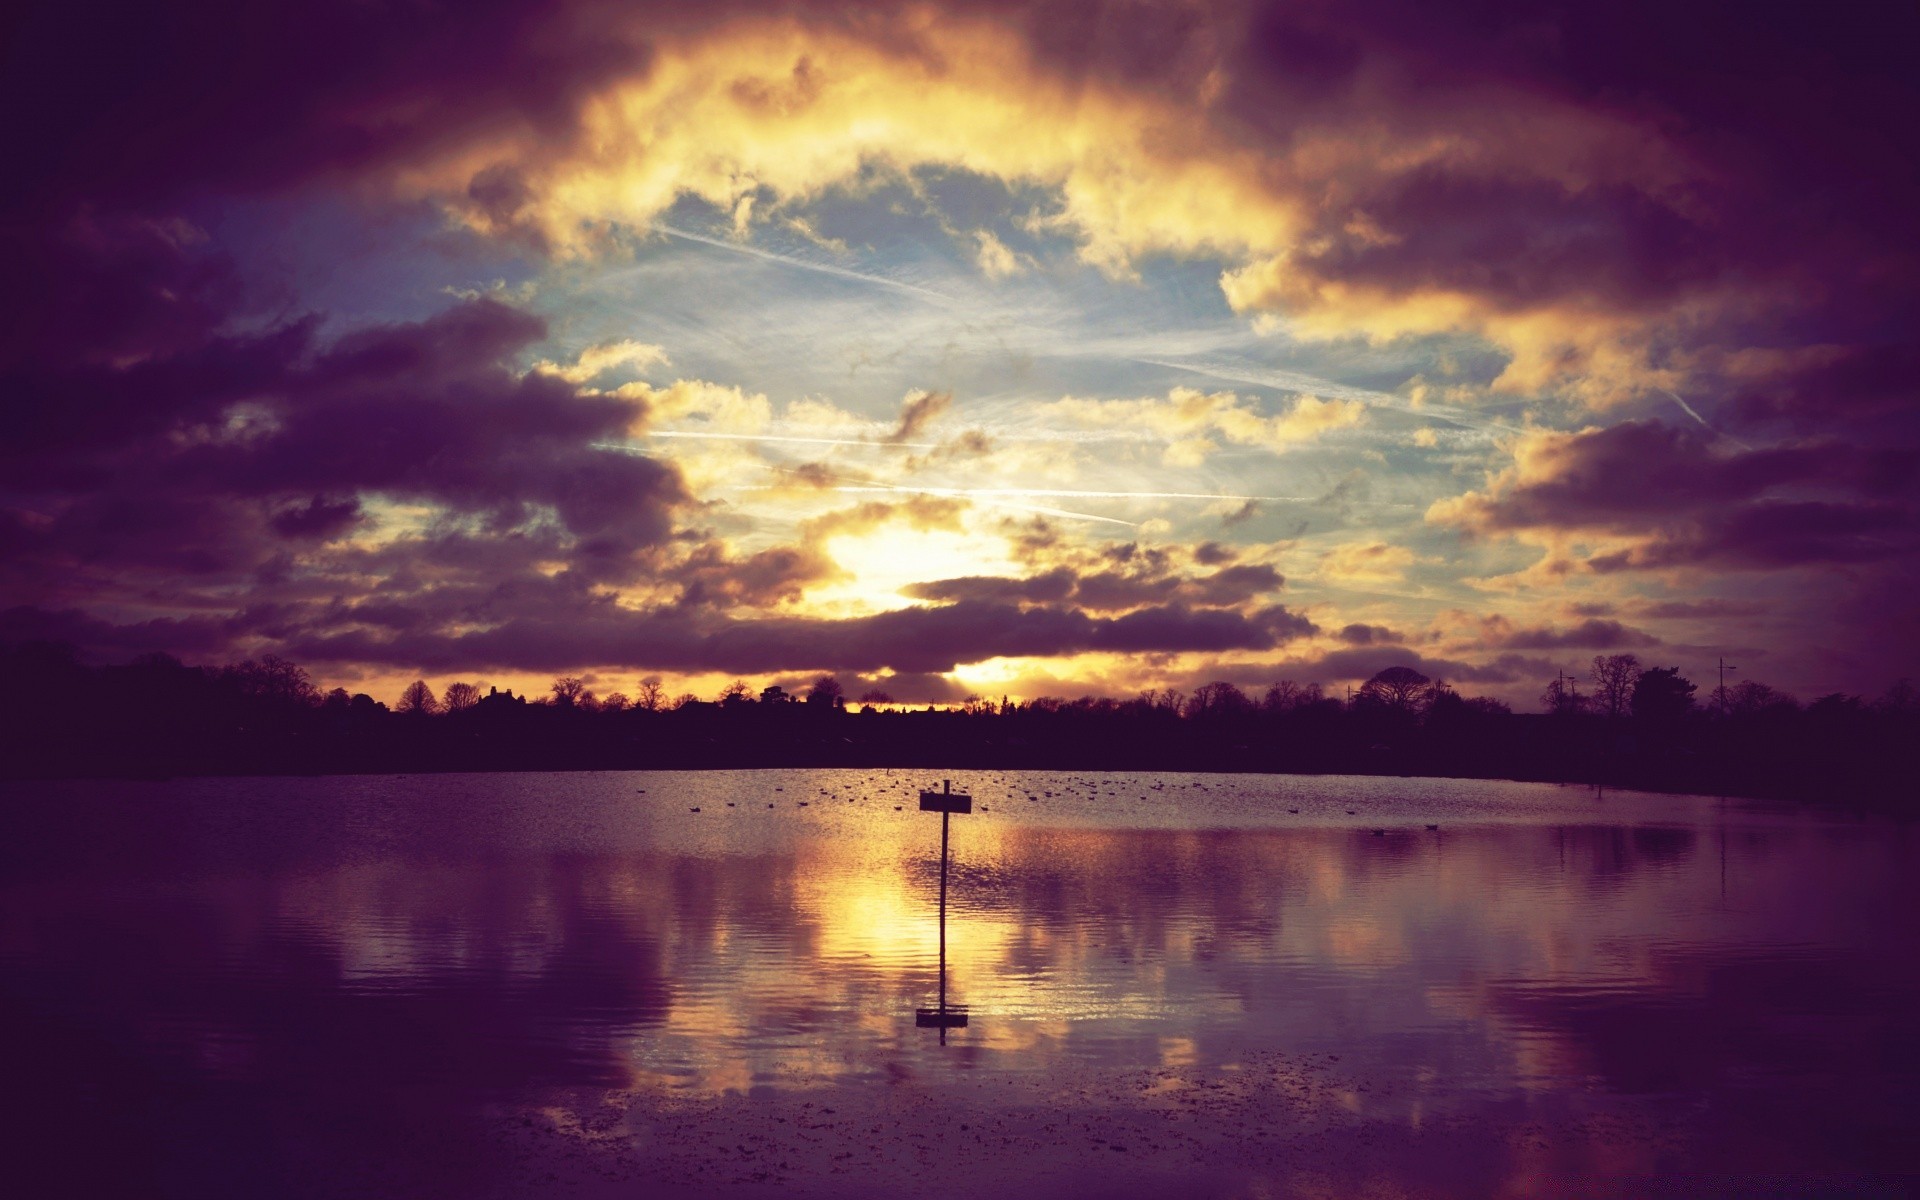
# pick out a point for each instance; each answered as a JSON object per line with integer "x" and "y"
{"x": 355, "y": 264}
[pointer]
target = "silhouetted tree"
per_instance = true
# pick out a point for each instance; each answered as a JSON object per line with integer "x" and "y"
{"x": 459, "y": 697}
{"x": 1661, "y": 695}
{"x": 615, "y": 702}
{"x": 1613, "y": 678}
{"x": 735, "y": 694}
{"x": 1396, "y": 689}
{"x": 418, "y": 699}
{"x": 1750, "y": 696}
{"x": 774, "y": 694}
{"x": 652, "y": 696}
{"x": 1218, "y": 700}
{"x": 1169, "y": 700}
{"x": 875, "y": 697}
{"x": 273, "y": 680}
{"x": 825, "y": 692}
{"x": 1562, "y": 697}
{"x": 570, "y": 691}
{"x": 1902, "y": 699}
{"x": 1285, "y": 696}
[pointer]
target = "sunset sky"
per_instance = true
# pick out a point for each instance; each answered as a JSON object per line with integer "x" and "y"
{"x": 1023, "y": 349}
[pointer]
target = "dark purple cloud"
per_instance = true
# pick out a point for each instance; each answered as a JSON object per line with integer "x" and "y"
{"x": 551, "y": 633}
{"x": 1778, "y": 533}
{"x": 1368, "y": 635}
{"x": 1151, "y": 578}
{"x": 1593, "y": 634}
{"x": 1693, "y": 502}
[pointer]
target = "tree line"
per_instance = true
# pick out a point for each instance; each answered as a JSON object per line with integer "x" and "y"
{"x": 1620, "y": 724}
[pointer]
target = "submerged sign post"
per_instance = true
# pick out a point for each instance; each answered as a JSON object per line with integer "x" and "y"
{"x": 946, "y": 802}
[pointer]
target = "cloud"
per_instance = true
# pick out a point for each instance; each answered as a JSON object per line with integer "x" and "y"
{"x": 1498, "y": 633}
{"x": 1777, "y": 533}
{"x": 595, "y": 360}
{"x": 157, "y": 460}
{"x": 1536, "y": 178}
{"x": 917, "y": 411}
{"x": 995, "y": 259}
{"x": 1366, "y": 563}
{"x": 1111, "y": 590}
{"x": 1368, "y": 635}
{"x": 919, "y": 639}
{"x": 1189, "y": 420}
{"x": 319, "y": 518}
{"x": 1681, "y": 500}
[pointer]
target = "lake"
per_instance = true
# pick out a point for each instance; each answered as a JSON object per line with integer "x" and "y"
{"x": 1193, "y": 985}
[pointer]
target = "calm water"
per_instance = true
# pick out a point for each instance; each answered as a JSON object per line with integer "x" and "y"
{"x": 478, "y": 985}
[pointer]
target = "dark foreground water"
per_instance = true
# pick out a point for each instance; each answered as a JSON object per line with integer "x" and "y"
{"x": 1175, "y": 986}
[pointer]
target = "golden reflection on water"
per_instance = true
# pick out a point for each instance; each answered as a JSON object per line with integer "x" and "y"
{"x": 789, "y": 948}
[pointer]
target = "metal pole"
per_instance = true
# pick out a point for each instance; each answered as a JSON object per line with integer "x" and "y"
{"x": 944, "y": 818}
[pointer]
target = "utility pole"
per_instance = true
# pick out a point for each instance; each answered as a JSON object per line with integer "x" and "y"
{"x": 1724, "y": 668}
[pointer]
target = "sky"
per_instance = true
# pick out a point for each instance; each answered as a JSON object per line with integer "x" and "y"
{"x": 964, "y": 349}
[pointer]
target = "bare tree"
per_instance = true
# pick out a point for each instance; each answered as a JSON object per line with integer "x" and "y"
{"x": 1396, "y": 689}
{"x": 1613, "y": 678}
{"x": 570, "y": 691}
{"x": 1562, "y": 697}
{"x": 1285, "y": 695}
{"x": 615, "y": 702}
{"x": 1900, "y": 699}
{"x": 826, "y": 692}
{"x": 1217, "y": 699}
{"x": 1165, "y": 699}
{"x": 653, "y": 697}
{"x": 1752, "y": 696}
{"x": 735, "y": 693}
{"x": 418, "y": 698}
{"x": 459, "y": 697}
{"x": 875, "y": 697}
{"x": 275, "y": 680}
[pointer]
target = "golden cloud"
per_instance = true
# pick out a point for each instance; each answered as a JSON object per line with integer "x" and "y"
{"x": 1366, "y": 562}
{"x": 1190, "y": 420}
{"x": 760, "y": 116}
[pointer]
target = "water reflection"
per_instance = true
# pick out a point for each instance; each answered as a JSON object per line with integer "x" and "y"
{"x": 232, "y": 981}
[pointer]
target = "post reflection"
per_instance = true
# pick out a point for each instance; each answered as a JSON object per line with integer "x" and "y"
{"x": 942, "y": 1017}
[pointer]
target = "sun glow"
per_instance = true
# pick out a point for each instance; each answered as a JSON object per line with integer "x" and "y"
{"x": 880, "y": 562}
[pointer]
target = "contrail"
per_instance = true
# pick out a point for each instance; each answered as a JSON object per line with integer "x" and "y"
{"x": 805, "y": 265}
{"x": 1689, "y": 410}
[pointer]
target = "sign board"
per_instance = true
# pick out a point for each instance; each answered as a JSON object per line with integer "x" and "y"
{"x": 950, "y": 802}
{"x": 940, "y": 1018}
